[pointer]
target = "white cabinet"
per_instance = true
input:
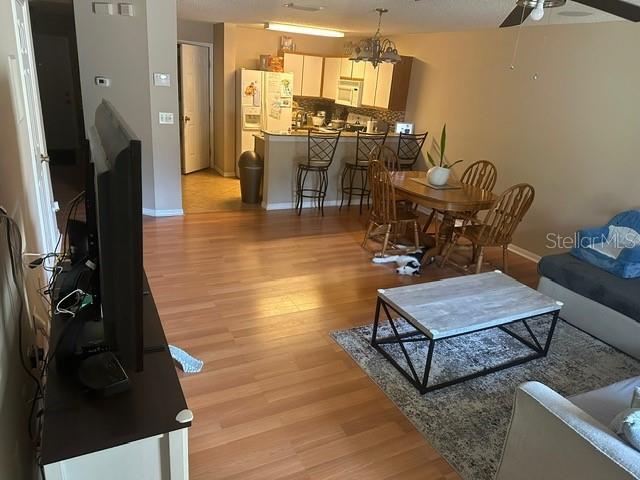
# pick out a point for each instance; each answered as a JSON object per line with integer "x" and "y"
{"x": 383, "y": 87}
{"x": 330, "y": 77}
{"x": 369, "y": 85}
{"x": 345, "y": 68}
{"x": 294, "y": 63}
{"x": 351, "y": 69}
{"x": 307, "y": 73}
{"x": 312, "y": 76}
{"x": 357, "y": 70}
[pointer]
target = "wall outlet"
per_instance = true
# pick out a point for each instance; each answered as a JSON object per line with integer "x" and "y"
{"x": 166, "y": 118}
{"x": 125, "y": 9}
{"x": 103, "y": 8}
{"x": 103, "y": 81}
{"x": 161, "y": 80}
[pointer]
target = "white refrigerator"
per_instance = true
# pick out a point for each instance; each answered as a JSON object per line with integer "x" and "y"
{"x": 265, "y": 103}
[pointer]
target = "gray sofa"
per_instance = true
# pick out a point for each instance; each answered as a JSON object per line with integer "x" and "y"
{"x": 554, "y": 438}
{"x": 606, "y": 306}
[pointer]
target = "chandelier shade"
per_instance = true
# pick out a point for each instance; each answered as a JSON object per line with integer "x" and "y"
{"x": 376, "y": 50}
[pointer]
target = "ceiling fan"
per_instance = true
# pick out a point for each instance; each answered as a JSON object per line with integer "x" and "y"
{"x": 535, "y": 9}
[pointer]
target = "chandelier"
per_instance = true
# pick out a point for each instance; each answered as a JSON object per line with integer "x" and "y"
{"x": 376, "y": 49}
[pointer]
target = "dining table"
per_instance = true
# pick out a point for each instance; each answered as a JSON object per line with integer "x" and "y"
{"x": 455, "y": 201}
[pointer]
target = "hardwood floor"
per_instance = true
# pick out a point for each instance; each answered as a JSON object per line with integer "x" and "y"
{"x": 208, "y": 191}
{"x": 254, "y": 294}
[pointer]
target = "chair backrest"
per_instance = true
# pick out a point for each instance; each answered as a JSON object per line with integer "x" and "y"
{"x": 321, "y": 147}
{"x": 506, "y": 213}
{"x": 482, "y": 174}
{"x": 366, "y": 143}
{"x": 409, "y": 147}
{"x": 387, "y": 156}
{"x": 383, "y": 195}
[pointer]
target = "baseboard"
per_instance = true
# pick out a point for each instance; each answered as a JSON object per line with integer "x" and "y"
{"x": 292, "y": 205}
{"x": 223, "y": 173}
{"x": 524, "y": 253}
{"x": 162, "y": 213}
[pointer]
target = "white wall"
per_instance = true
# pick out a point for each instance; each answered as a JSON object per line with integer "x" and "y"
{"x": 574, "y": 133}
{"x": 128, "y": 50}
{"x": 17, "y": 196}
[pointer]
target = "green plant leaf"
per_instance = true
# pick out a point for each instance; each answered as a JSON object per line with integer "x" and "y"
{"x": 431, "y": 160}
{"x": 455, "y": 163}
{"x": 443, "y": 143}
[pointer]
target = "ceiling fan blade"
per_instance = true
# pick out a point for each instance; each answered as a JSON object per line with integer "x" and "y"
{"x": 618, "y": 8}
{"x": 517, "y": 16}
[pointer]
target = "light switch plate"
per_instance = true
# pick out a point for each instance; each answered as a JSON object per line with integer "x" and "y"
{"x": 103, "y": 8}
{"x": 103, "y": 81}
{"x": 166, "y": 118}
{"x": 162, "y": 79}
{"x": 125, "y": 9}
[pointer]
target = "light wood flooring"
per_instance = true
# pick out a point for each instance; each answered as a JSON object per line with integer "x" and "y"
{"x": 255, "y": 294}
{"x": 208, "y": 191}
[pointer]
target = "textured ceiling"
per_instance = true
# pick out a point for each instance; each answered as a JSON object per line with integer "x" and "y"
{"x": 359, "y": 16}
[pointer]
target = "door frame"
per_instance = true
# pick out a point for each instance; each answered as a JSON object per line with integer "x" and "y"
{"x": 209, "y": 46}
{"x": 45, "y": 203}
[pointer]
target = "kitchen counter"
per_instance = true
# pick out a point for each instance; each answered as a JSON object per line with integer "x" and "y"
{"x": 282, "y": 152}
{"x": 303, "y": 133}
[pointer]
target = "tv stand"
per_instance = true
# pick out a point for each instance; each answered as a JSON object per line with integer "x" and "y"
{"x": 138, "y": 433}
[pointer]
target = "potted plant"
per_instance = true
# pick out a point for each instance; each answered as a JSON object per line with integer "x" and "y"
{"x": 438, "y": 174}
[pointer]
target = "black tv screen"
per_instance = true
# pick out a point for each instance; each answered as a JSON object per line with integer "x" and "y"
{"x": 117, "y": 165}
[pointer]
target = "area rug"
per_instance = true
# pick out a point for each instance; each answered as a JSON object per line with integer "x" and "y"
{"x": 467, "y": 423}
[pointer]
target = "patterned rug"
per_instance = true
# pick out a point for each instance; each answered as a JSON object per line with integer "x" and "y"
{"x": 467, "y": 423}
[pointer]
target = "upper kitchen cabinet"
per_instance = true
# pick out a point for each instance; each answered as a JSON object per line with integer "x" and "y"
{"x": 387, "y": 85}
{"x": 351, "y": 69}
{"x": 294, "y": 63}
{"x": 330, "y": 77}
{"x": 307, "y": 73}
{"x": 312, "y": 76}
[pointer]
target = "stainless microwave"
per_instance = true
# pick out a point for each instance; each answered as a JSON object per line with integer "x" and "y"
{"x": 349, "y": 93}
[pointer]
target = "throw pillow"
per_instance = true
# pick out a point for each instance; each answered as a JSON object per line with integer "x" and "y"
{"x": 627, "y": 422}
{"x": 631, "y": 428}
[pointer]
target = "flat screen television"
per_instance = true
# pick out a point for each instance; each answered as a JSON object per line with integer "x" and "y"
{"x": 116, "y": 191}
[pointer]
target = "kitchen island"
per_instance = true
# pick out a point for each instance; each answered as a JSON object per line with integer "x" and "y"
{"x": 282, "y": 152}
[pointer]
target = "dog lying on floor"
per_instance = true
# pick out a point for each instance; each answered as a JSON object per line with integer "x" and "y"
{"x": 408, "y": 264}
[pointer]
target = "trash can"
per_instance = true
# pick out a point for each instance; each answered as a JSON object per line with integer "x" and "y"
{"x": 251, "y": 167}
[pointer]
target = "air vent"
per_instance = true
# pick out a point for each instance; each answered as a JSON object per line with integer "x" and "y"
{"x": 304, "y": 8}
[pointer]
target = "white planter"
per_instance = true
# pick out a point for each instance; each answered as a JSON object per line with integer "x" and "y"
{"x": 438, "y": 176}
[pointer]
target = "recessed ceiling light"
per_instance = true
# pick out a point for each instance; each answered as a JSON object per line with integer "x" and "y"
{"x": 321, "y": 32}
{"x": 305, "y": 8}
{"x": 574, "y": 13}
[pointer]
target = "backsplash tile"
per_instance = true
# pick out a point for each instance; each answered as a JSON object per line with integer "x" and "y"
{"x": 314, "y": 104}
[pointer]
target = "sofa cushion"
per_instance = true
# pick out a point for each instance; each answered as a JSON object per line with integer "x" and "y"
{"x": 605, "y": 403}
{"x": 619, "y": 294}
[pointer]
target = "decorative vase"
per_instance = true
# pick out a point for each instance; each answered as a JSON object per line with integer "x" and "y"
{"x": 438, "y": 176}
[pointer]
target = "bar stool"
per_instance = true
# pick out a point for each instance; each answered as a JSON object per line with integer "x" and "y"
{"x": 321, "y": 148}
{"x": 409, "y": 147}
{"x": 365, "y": 144}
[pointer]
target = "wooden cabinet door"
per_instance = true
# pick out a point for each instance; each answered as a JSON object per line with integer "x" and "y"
{"x": 312, "y": 76}
{"x": 383, "y": 88}
{"x": 357, "y": 70}
{"x": 369, "y": 85}
{"x": 345, "y": 68}
{"x": 330, "y": 77}
{"x": 294, "y": 63}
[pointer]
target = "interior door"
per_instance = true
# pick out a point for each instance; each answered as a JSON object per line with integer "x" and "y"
{"x": 194, "y": 106}
{"x": 24, "y": 75}
{"x": 59, "y": 111}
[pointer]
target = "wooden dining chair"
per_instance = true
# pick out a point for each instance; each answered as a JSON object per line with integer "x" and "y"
{"x": 384, "y": 213}
{"x": 387, "y": 156}
{"x": 498, "y": 226}
{"x": 482, "y": 174}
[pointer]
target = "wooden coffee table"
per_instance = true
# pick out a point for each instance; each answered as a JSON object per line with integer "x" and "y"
{"x": 461, "y": 306}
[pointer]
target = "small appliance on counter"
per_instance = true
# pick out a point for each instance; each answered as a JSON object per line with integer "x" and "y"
{"x": 356, "y": 123}
{"x": 404, "y": 127}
